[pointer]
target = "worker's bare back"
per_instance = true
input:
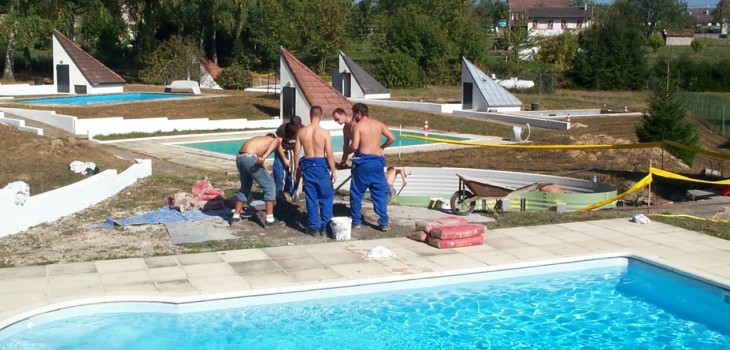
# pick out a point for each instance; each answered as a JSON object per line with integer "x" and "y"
{"x": 366, "y": 136}
{"x": 257, "y": 145}
{"x": 316, "y": 141}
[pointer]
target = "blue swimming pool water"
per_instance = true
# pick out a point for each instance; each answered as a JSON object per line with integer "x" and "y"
{"x": 85, "y": 100}
{"x": 620, "y": 304}
{"x": 230, "y": 147}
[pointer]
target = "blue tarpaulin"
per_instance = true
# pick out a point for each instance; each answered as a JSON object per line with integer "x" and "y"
{"x": 167, "y": 215}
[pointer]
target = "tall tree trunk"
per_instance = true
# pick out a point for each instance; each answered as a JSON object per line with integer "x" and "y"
{"x": 27, "y": 59}
{"x": 214, "y": 46}
{"x": 10, "y": 58}
{"x": 72, "y": 26}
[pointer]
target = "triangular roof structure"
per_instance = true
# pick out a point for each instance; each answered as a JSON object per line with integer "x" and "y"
{"x": 208, "y": 73}
{"x": 493, "y": 95}
{"x": 93, "y": 71}
{"x": 367, "y": 83}
{"x": 315, "y": 91}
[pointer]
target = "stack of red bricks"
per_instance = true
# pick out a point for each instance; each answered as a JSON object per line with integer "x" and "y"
{"x": 449, "y": 232}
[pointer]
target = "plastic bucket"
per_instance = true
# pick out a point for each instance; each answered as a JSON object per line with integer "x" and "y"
{"x": 342, "y": 227}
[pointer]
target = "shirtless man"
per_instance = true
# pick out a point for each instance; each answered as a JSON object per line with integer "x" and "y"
{"x": 287, "y": 132}
{"x": 367, "y": 166}
{"x": 390, "y": 175}
{"x": 250, "y": 160}
{"x": 347, "y": 123}
{"x": 318, "y": 172}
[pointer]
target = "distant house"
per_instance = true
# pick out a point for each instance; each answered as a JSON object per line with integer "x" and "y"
{"x": 76, "y": 71}
{"x": 681, "y": 38}
{"x": 705, "y": 21}
{"x": 551, "y": 21}
{"x": 518, "y": 8}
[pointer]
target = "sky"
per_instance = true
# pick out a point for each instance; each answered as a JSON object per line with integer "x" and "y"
{"x": 690, "y": 3}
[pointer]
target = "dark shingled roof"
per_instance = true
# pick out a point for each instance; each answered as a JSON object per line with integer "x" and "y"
{"x": 367, "y": 82}
{"x": 702, "y": 15}
{"x": 523, "y": 5}
{"x": 315, "y": 90}
{"x": 560, "y": 12}
{"x": 94, "y": 71}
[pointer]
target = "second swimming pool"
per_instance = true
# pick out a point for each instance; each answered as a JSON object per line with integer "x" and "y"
{"x": 230, "y": 147}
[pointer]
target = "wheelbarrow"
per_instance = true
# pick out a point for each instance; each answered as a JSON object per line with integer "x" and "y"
{"x": 471, "y": 190}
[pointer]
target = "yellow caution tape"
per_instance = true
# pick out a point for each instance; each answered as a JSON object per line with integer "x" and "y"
{"x": 666, "y": 174}
{"x": 647, "y": 180}
{"x": 639, "y": 185}
{"x": 690, "y": 217}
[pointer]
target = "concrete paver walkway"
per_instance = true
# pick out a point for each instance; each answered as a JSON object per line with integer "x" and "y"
{"x": 209, "y": 274}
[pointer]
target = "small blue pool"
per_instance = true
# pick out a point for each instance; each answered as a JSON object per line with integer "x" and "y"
{"x": 87, "y": 100}
{"x": 231, "y": 147}
{"x": 616, "y": 303}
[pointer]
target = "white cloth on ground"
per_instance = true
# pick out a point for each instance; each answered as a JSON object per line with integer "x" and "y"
{"x": 22, "y": 191}
{"x": 80, "y": 167}
{"x": 640, "y": 219}
{"x": 380, "y": 252}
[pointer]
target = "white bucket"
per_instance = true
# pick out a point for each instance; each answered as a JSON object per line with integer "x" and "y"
{"x": 342, "y": 227}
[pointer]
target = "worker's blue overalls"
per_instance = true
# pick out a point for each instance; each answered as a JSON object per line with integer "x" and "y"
{"x": 368, "y": 174}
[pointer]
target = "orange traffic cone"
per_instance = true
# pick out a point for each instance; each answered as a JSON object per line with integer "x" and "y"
{"x": 425, "y": 125}
{"x": 626, "y": 109}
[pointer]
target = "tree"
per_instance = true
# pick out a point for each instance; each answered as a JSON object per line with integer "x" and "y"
{"x": 670, "y": 14}
{"x": 665, "y": 119}
{"x": 175, "y": 59}
{"x": 492, "y": 12}
{"x": 410, "y": 30}
{"x": 322, "y": 29}
{"x": 559, "y": 51}
{"x": 722, "y": 14}
{"x": 268, "y": 28}
{"x": 23, "y": 24}
{"x": 610, "y": 55}
{"x": 655, "y": 41}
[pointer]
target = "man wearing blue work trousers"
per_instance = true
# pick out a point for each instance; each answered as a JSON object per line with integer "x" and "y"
{"x": 368, "y": 166}
{"x": 318, "y": 172}
{"x": 283, "y": 177}
{"x": 250, "y": 164}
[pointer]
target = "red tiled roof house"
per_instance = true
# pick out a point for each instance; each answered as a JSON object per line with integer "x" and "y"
{"x": 302, "y": 89}
{"x": 76, "y": 71}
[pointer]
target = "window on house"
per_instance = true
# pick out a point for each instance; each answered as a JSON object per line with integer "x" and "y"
{"x": 579, "y": 24}
{"x": 534, "y": 24}
{"x": 563, "y": 24}
{"x": 550, "y": 24}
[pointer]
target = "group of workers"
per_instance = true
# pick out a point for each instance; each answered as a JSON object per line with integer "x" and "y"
{"x": 317, "y": 168}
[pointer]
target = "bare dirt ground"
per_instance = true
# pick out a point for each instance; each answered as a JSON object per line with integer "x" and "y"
{"x": 76, "y": 237}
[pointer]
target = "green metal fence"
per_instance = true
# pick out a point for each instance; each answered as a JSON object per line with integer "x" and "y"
{"x": 713, "y": 110}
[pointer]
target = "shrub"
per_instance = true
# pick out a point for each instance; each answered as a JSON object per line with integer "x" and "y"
{"x": 235, "y": 78}
{"x": 444, "y": 73}
{"x": 400, "y": 71}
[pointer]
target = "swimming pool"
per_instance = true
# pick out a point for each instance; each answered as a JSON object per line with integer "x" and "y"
{"x": 608, "y": 304}
{"x": 231, "y": 147}
{"x": 86, "y": 100}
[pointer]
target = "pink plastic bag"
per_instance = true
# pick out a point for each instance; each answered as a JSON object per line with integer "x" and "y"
{"x": 204, "y": 191}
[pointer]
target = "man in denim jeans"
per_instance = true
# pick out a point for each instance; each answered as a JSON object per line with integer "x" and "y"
{"x": 250, "y": 164}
